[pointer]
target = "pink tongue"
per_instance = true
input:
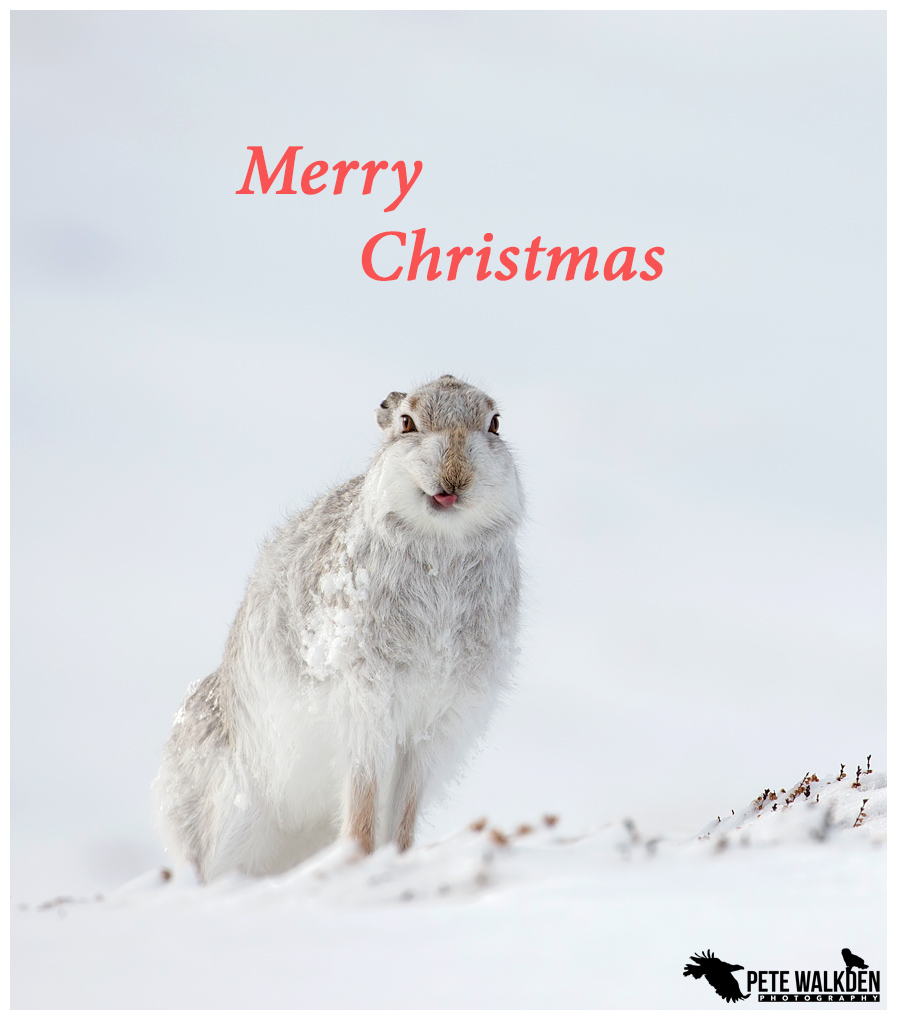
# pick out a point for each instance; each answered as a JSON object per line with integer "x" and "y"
{"x": 444, "y": 499}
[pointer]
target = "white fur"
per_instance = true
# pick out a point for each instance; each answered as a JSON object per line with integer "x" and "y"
{"x": 376, "y": 634}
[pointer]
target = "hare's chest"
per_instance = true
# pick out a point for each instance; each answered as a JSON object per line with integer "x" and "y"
{"x": 434, "y": 647}
{"x": 422, "y": 617}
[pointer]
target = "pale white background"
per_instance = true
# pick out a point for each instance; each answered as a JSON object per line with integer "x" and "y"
{"x": 704, "y": 455}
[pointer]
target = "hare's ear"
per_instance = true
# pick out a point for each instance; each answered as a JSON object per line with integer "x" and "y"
{"x": 384, "y": 411}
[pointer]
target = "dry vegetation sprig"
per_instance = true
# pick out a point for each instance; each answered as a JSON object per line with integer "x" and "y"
{"x": 501, "y": 838}
{"x": 632, "y": 830}
{"x": 856, "y": 784}
{"x": 803, "y": 787}
{"x": 862, "y": 813}
{"x": 59, "y": 903}
{"x": 825, "y": 827}
{"x": 760, "y": 801}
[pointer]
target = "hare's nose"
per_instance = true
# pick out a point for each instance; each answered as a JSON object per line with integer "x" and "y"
{"x": 444, "y": 499}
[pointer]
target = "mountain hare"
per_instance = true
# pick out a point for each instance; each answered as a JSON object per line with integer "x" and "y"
{"x": 376, "y": 634}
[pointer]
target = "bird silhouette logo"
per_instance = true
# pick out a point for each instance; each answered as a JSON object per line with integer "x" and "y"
{"x": 852, "y": 960}
{"x": 718, "y": 974}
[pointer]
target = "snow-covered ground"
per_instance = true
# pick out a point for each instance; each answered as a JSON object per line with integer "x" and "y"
{"x": 538, "y": 917}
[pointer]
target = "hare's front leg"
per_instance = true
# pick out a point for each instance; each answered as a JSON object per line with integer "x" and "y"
{"x": 405, "y": 800}
{"x": 360, "y": 809}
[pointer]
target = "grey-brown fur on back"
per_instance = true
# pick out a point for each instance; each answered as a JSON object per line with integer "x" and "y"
{"x": 377, "y": 632}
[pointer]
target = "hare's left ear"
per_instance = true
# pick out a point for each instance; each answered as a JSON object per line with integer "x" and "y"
{"x": 384, "y": 411}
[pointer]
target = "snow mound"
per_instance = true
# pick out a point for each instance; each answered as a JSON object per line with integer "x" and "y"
{"x": 535, "y": 918}
{"x": 813, "y": 808}
{"x": 480, "y": 858}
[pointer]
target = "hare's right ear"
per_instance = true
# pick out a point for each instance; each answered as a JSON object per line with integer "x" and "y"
{"x": 384, "y": 411}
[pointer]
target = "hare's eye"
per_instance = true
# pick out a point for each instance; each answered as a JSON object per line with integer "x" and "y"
{"x": 493, "y": 425}
{"x": 407, "y": 424}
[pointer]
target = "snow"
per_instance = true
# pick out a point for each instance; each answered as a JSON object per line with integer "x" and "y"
{"x": 539, "y": 917}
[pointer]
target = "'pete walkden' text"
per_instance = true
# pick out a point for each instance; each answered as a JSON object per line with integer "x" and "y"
{"x": 814, "y": 981}
{"x": 618, "y": 264}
